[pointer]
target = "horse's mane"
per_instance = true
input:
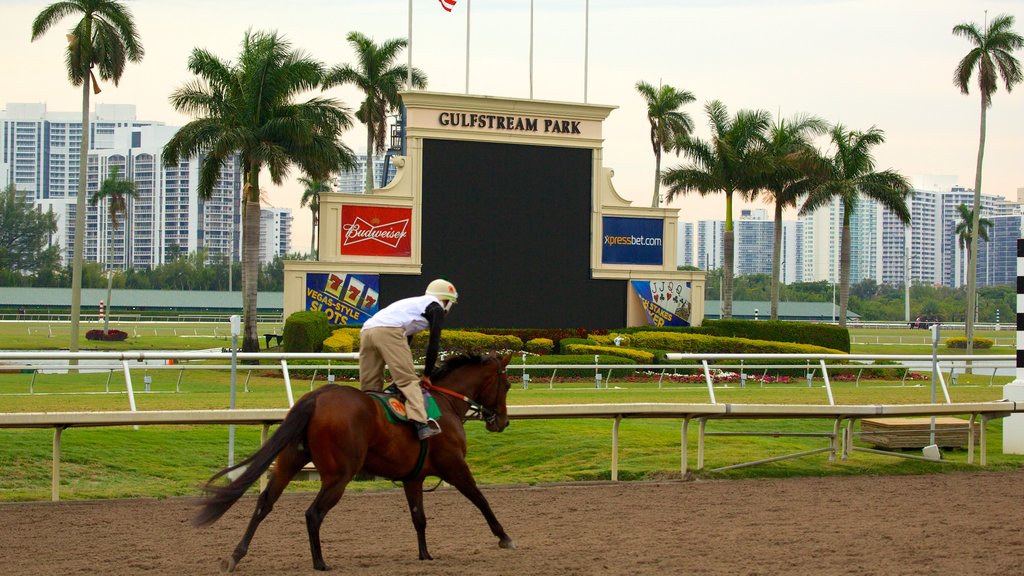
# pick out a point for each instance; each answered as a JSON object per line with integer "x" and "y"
{"x": 453, "y": 363}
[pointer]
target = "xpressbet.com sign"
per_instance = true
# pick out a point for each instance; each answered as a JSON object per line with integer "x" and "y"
{"x": 632, "y": 240}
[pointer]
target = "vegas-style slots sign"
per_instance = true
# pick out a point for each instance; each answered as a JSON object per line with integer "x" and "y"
{"x": 376, "y": 231}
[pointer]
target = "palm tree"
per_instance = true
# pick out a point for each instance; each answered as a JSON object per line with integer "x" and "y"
{"x": 992, "y": 57}
{"x": 247, "y": 107}
{"x": 847, "y": 175}
{"x": 116, "y": 192}
{"x": 730, "y": 162}
{"x": 668, "y": 124}
{"x": 105, "y": 38}
{"x": 380, "y": 80}
{"x": 789, "y": 178}
{"x": 965, "y": 230}
{"x": 311, "y": 198}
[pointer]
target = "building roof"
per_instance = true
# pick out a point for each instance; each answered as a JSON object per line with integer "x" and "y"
{"x": 804, "y": 311}
{"x": 213, "y": 301}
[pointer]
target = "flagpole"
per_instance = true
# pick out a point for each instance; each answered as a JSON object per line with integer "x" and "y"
{"x": 408, "y": 80}
{"x": 469, "y": 3}
{"x": 586, "y": 51}
{"x": 531, "y": 49}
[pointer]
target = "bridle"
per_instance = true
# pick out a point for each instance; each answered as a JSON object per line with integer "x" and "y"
{"x": 477, "y": 411}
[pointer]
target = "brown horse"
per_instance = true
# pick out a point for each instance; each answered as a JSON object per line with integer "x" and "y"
{"x": 342, "y": 431}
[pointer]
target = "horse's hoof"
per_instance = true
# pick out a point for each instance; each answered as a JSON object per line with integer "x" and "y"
{"x": 322, "y": 567}
{"x": 228, "y": 565}
{"x": 507, "y": 544}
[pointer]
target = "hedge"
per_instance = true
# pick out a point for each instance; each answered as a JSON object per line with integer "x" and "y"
{"x": 540, "y": 346}
{"x": 961, "y": 342}
{"x": 466, "y": 342}
{"x": 563, "y": 359}
{"x": 527, "y": 334}
{"x": 824, "y": 335}
{"x": 699, "y": 343}
{"x": 638, "y": 356}
{"x": 339, "y": 341}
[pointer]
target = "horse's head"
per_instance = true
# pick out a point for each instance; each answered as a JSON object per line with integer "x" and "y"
{"x": 483, "y": 382}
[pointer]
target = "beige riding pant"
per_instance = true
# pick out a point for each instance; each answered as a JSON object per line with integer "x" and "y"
{"x": 385, "y": 345}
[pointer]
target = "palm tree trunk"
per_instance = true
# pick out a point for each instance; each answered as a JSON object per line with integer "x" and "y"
{"x": 776, "y": 260}
{"x": 727, "y": 265}
{"x": 312, "y": 237}
{"x": 657, "y": 180}
{"x": 972, "y": 255}
{"x": 110, "y": 287}
{"x": 844, "y": 269}
{"x": 369, "y": 157}
{"x": 250, "y": 258}
{"x": 79, "y": 245}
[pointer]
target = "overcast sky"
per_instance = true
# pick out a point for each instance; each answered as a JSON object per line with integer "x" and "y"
{"x": 861, "y": 63}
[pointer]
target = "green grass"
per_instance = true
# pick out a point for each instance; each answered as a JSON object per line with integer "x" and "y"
{"x": 162, "y": 461}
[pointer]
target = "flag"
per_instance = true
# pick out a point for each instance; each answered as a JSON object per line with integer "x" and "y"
{"x": 447, "y": 5}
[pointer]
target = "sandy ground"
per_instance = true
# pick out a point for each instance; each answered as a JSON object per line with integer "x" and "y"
{"x": 965, "y": 523}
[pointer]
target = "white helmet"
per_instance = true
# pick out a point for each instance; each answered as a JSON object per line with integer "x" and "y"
{"x": 444, "y": 291}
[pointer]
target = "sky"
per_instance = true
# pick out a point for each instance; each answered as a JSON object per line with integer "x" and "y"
{"x": 861, "y": 63}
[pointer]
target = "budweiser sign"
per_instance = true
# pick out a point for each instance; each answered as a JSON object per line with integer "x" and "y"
{"x": 375, "y": 231}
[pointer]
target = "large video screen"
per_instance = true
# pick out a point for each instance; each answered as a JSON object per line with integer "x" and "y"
{"x": 510, "y": 226}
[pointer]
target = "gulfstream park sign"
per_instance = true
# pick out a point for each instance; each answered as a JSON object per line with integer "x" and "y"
{"x": 508, "y": 123}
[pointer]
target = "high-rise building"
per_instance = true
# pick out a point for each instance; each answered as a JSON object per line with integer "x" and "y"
{"x": 276, "y": 235}
{"x": 754, "y": 238}
{"x": 354, "y": 181}
{"x": 39, "y": 154}
{"x": 684, "y": 244}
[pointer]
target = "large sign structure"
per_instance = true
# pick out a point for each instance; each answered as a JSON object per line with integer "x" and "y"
{"x": 508, "y": 199}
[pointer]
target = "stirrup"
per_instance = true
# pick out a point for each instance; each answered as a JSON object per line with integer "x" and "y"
{"x": 427, "y": 429}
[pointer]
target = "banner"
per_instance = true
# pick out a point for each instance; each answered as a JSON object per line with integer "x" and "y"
{"x": 376, "y": 231}
{"x": 632, "y": 240}
{"x": 345, "y": 298}
{"x": 666, "y": 302}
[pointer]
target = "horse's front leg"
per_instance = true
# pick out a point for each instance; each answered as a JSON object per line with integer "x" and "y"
{"x": 414, "y": 495}
{"x": 463, "y": 480}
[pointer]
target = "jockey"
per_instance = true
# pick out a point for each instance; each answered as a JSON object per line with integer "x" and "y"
{"x": 385, "y": 338}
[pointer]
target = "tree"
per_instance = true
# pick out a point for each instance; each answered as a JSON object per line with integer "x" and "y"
{"x": 380, "y": 80}
{"x": 311, "y": 197}
{"x": 116, "y": 193}
{"x": 248, "y": 107}
{"x": 992, "y": 58}
{"x": 105, "y": 38}
{"x": 728, "y": 163}
{"x": 789, "y": 178}
{"x": 848, "y": 174}
{"x": 24, "y": 234}
{"x": 668, "y": 124}
{"x": 965, "y": 232}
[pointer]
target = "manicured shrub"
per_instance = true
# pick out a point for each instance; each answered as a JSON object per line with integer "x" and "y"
{"x": 540, "y": 346}
{"x": 466, "y": 342}
{"x": 567, "y": 341}
{"x": 306, "y": 331}
{"x": 609, "y": 339}
{"x": 700, "y": 343}
{"x": 339, "y": 341}
{"x": 110, "y": 336}
{"x": 527, "y": 334}
{"x": 960, "y": 342}
{"x": 824, "y": 335}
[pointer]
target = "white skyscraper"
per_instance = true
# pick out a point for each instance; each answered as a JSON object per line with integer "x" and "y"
{"x": 754, "y": 234}
{"x": 354, "y": 182}
{"x": 684, "y": 244}
{"x": 276, "y": 233}
{"x": 39, "y": 154}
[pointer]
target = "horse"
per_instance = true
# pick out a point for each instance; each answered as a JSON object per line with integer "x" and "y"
{"x": 343, "y": 430}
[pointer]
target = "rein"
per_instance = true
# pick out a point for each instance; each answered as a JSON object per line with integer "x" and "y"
{"x": 476, "y": 409}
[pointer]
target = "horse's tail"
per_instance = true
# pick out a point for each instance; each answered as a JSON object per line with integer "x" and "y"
{"x": 220, "y": 498}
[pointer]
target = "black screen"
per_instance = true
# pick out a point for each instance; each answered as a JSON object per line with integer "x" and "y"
{"x": 509, "y": 225}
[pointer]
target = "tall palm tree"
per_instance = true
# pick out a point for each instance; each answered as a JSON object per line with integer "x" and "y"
{"x": 790, "y": 177}
{"x": 668, "y": 123}
{"x": 730, "y": 162}
{"x": 311, "y": 197}
{"x": 380, "y": 80}
{"x": 965, "y": 230}
{"x": 847, "y": 175}
{"x": 116, "y": 192}
{"x": 248, "y": 107}
{"x": 992, "y": 58}
{"x": 104, "y": 38}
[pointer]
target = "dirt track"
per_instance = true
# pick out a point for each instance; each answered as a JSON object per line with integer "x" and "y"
{"x": 938, "y": 524}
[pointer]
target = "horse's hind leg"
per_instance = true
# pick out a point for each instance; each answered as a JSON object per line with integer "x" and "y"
{"x": 287, "y": 465}
{"x": 414, "y": 495}
{"x": 331, "y": 490}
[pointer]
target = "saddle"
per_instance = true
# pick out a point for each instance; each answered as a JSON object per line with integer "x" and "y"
{"x": 393, "y": 402}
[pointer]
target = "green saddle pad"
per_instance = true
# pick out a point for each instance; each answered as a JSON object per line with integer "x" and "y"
{"x": 394, "y": 405}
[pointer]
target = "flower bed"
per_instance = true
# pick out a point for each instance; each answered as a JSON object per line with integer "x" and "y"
{"x": 110, "y": 336}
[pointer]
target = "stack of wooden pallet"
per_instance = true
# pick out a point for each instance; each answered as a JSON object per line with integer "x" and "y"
{"x": 899, "y": 433}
